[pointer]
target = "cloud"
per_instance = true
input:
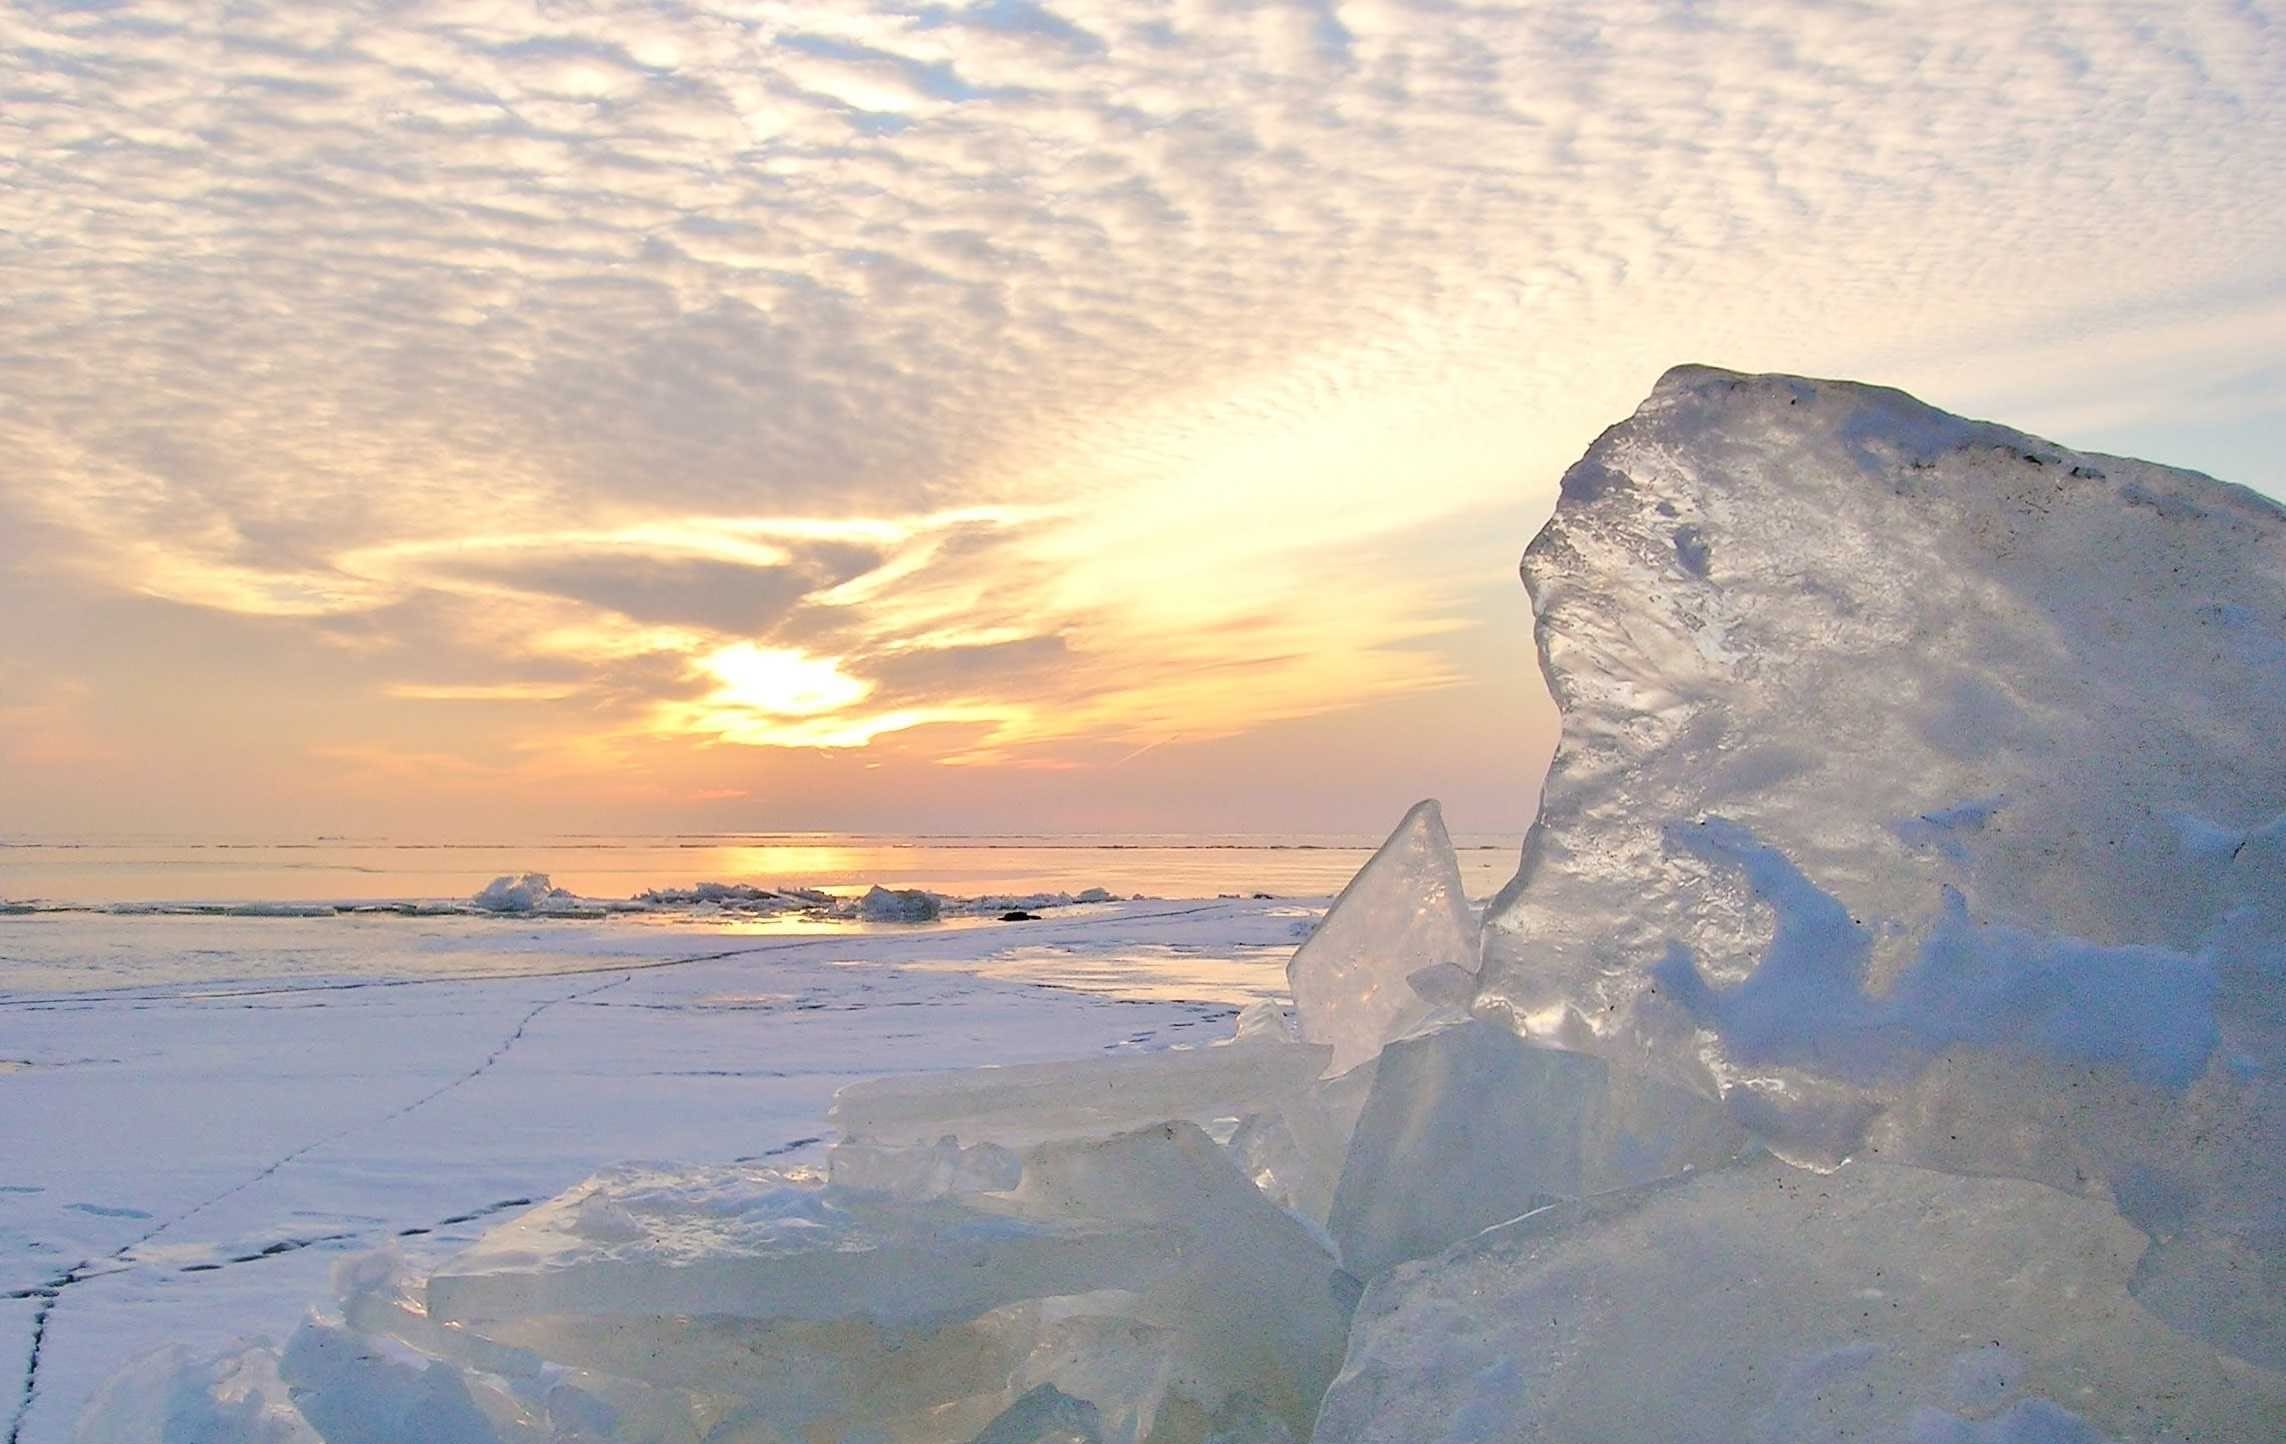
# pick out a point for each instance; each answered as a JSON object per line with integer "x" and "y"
{"x": 481, "y": 691}
{"x": 1070, "y": 375}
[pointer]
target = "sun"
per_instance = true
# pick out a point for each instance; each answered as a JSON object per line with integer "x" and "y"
{"x": 782, "y": 682}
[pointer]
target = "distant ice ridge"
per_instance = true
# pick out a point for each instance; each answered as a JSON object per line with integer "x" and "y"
{"x": 534, "y": 894}
{"x": 1883, "y": 1040}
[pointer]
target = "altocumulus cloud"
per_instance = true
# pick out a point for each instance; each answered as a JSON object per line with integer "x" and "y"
{"x": 795, "y": 374}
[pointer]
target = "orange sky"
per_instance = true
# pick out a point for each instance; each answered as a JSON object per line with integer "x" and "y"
{"x": 1082, "y": 417}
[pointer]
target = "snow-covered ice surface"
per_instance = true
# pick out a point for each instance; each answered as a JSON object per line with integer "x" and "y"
{"x": 1881, "y": 1040}
{"x": 191, "y": 1157}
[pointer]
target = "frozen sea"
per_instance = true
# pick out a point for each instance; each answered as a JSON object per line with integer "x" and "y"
{"x": 222, "y": 1072}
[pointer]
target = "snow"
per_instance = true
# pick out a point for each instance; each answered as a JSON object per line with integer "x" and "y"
{"x": 1883, "y": 1038}
{"x": 2144, "y": 1010}
{"x": 276, "y": 1095}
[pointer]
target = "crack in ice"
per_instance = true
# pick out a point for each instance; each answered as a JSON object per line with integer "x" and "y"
{"x": 51, "y": 1294}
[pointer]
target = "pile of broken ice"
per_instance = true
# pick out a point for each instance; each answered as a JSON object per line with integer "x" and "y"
{"x": 534, "y": 894}
{"x": 1884, "y": 1038}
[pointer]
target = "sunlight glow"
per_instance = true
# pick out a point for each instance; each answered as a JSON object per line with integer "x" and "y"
{"x": 1000, "y": 389}
{"x": 749, "y": 728}
{"x": 781, "y": 682}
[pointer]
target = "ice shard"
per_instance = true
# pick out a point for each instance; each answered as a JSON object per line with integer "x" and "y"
{"x": 1257, "y": 1312}
{"x": 1384, "y": 961}
{"x": 1295, "y": 1151}
{"x": 1469, "y": 1126}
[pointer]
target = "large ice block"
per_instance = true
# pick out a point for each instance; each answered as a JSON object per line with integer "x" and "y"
{"x": 1919, "y": 790}
{"x": 1762, "y": 1302}
{"x": 1469, "y": 1126}
{"x": 1902, "y": 649}
{"x": 1398, "y": 947}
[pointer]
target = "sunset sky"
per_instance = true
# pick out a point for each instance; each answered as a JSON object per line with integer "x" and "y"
{"x": 443, "y": 416}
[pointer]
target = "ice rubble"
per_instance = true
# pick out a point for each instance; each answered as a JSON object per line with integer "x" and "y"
{"x": 524, "y": 892}
{"x": 886, "y": 905}
{"x": 877, "y": 904}
{"x": 1882, "y": 1039}
{"x": 532, "y": 892}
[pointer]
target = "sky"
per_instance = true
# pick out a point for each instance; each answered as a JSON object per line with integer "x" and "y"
{"x": 429, "y": 418}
